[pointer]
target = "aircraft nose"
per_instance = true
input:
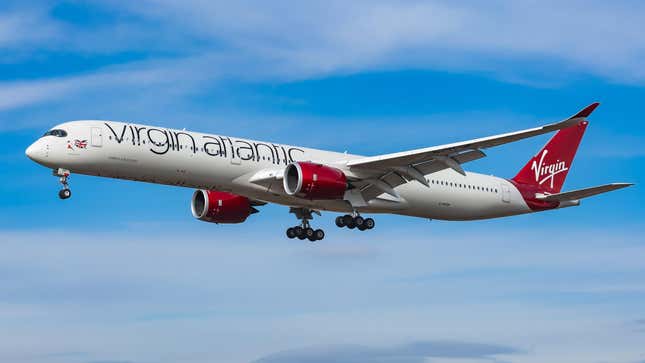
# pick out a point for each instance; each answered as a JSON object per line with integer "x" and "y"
{"x": 35, "y": 152}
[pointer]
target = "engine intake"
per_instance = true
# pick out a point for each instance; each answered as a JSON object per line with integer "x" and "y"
{"x": 220, "y": 207}
{"x": 314, "y": 181}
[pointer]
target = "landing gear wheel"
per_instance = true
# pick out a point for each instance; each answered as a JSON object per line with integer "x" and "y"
{"x": 64, "y": 193}
{"x": 309, "y": 232}
{"x": 291, "y": 232}
{"x": 319, "y": 234}
{"x": 369, "y": 223}
{"x": 300, "y": 232}
{"x": 362, "y": 227}
{"x": 358, "y": 221}
{"x": 348, "y": 220}
{"x": 340, "y": 221}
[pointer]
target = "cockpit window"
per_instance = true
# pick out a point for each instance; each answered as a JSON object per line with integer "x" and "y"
{"x": 56, "y": 132}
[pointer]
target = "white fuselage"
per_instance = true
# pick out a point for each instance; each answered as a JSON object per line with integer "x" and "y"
{"x": 204, "y": 161}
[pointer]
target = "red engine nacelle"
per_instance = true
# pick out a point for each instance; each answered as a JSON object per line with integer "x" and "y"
{"x": 314, "y": 181}
{"x": 220, "y": 207}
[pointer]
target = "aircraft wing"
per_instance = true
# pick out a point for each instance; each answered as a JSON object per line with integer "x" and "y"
{"x": 583, "y": 193}
{"x": 380, "y": 174}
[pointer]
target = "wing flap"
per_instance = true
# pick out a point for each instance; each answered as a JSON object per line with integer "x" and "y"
{"x": 583, "y": 193}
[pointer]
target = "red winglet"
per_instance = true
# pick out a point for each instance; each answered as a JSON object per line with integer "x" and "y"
{"x": 586, "y": 111}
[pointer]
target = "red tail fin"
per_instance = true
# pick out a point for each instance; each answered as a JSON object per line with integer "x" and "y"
{"x": 548, "y": 169}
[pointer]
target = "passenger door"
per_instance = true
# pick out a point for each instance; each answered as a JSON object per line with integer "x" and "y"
{"x": 96, "y": 138}
{"x": 506, "y": 194}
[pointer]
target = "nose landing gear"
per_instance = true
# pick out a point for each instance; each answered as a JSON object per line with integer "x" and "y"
{"x": 63, "y": 174}
{"x": 355, "y": 221}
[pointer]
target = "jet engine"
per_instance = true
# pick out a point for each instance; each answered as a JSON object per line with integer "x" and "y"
{"x": 220, "y": 207}
{"x": 314, "y": 181}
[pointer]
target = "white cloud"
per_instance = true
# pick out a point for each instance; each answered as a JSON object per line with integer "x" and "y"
{"x": 517, "y": 40}
{"x": 138, "y": 292}
{"x": 26, "y": 29}
{"x": 415, "y": 352}
{"x": 313, "y": 39}
{"x": 164, "y": 76}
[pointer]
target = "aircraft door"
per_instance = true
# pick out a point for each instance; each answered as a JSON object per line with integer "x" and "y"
{"x": 97, "y": 137}
{"x": 506, "y": 194}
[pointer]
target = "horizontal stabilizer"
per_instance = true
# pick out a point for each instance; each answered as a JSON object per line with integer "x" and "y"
{"x": 583, "y": 193}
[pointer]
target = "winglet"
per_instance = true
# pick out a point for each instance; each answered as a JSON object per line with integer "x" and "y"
{"x": 586, "y": 111}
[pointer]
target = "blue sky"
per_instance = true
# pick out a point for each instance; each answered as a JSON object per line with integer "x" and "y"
{"x": 122, "y": 272}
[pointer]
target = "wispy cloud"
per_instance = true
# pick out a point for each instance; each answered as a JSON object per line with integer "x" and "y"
{"x": 250, "y": 40}
{"x": 376, "y": 292}
{"x": 25, "y": 29}
{"x": 131, "y": 77}
{"x": 416, "y": 352}
{"x": 331, "y": 37}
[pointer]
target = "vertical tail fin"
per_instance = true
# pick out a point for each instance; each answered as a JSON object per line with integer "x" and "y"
{"x": 548, "y": 169}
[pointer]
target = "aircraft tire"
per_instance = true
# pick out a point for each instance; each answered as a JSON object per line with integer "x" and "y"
{"x": 348, "y": 220}
{"x": 64, "y": 193}
{"x": 319, "y": 234}
{"x": 300, "y": 232}
{"x": 340, "y": 222}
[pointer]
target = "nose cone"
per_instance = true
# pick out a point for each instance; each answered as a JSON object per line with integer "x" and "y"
{"x": 36, "y": 152}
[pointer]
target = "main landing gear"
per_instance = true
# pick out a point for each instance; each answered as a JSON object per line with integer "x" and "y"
{"x": 304, "y": 230}
{"x": 63, "y": 174}
{"x": 354, "y": 221}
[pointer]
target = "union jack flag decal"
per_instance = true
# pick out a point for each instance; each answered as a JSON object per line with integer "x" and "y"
{"x": 81, "y": 144}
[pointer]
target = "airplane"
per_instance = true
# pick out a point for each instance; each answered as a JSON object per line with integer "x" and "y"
{"x": 233, "y": 176}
